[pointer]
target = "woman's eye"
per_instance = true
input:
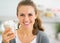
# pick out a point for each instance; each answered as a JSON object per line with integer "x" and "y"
{"x": 22, "y": 15}
{"x": 30, "y": 14}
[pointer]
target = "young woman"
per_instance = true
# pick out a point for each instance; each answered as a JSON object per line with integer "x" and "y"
{"x": 29, "y": 27}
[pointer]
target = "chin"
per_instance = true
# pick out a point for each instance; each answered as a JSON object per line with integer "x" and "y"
{"x": 27, "y": 27}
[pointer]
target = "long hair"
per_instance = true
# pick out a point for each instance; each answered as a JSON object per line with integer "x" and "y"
{"x": 38, "y": 24}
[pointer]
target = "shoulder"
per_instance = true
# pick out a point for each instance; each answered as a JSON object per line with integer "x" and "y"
{"x": 41, "y": 33}
{"x": 42, "y": 37}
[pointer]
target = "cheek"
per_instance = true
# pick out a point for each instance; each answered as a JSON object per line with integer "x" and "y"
{"x": 20, "y": 20}
{"x": 33, "y": 19}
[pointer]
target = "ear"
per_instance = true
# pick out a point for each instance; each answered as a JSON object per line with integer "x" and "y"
{"x": 36, "y": 16}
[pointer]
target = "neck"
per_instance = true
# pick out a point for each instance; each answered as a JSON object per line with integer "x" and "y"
{"x": 26, "y": 31}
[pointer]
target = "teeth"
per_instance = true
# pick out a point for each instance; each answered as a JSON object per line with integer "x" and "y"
{"x": 26, "y": 23}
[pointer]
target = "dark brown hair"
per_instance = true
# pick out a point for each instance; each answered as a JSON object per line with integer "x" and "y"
{"x": 37, "y": 25}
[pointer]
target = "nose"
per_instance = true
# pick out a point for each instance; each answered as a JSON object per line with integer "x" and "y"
{"x": 26, "y": 18}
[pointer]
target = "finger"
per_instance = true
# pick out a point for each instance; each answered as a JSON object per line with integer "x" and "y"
{"x": 7, "y": 28}
{"x": 7, "y": 34}
{"x": 12, "y": 36}
{"x": 6, "y": 31}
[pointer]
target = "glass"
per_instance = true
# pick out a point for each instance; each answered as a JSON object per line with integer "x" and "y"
{"x": 9, "y": 24}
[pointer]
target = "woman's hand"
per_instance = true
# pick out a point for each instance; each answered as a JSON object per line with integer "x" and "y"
{"x": 7, "y": 35}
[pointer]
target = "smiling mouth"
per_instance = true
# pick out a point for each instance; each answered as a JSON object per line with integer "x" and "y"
{"x": 26, "y": 23}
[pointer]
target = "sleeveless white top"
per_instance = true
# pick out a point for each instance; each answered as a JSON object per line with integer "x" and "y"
{"x": 18, "y": 41}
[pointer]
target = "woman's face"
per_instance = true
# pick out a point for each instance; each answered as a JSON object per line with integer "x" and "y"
{"x": 26, "y": 16}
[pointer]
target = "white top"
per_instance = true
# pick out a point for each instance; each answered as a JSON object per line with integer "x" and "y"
{"x": 18, "y": 41}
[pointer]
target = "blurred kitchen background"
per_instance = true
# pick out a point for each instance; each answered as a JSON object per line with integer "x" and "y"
{"x": 49, "y": 11}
